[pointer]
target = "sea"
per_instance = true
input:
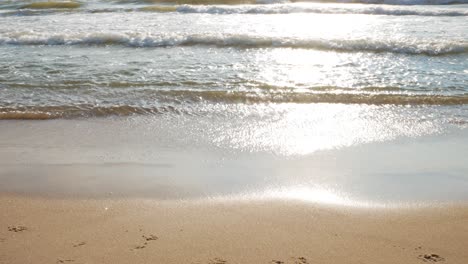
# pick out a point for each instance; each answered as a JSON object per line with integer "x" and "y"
{"x": 383, "y": 83}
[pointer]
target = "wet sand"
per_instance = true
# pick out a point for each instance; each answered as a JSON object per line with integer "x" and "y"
{"x": 38, "y": 230}
{"x": 164, "y": 158}
{"x": 158, "y": 192}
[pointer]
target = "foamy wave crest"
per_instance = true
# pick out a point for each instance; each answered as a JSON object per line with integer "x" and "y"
{"x": 191, "y": 98}
{"x": 238, "y": 41}
{"x": 317, "y": 9}
{"x": 79, "y": 111}
{"x": 237, "y": 2}
{"x": 256, "y": 9}
{"x": 407, "y": 2}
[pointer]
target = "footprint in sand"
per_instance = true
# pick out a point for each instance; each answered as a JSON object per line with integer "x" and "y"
{"x": 150, "y": 237}
{"x": 140, "y": 247}
{"x": 79, "y": 244}
{"x": 64, "y": 260}
{"x": 301, "y": 260}
{"x": 17, "y": 228}
{"x": 217, "y": 261}
{"x": 146, "y": 238}
{"x": 430, "y": 258}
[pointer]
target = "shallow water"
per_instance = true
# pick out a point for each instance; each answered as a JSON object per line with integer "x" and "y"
{"x": 332, "y": 155}
{"x": 85, "y": 63}
{"x": 285, "y": 82}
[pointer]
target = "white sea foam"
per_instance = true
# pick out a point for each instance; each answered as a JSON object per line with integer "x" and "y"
{"x": 238, "y": 41}
{"x": 386, "y": 2}
{"x": 263, "y": 9}
{"x": 289, "y": 9}
{"x": 408, "y": 2}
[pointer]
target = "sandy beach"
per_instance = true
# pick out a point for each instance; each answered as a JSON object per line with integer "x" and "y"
{"x": 70, "y": 194}
{"x": 233, "y": 131}
{"x": 38, "y": 230}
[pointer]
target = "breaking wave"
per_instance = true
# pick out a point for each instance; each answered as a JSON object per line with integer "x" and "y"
{"x": 238, "y": 2}
{"x": 77, "y": 111}
{"x": 403, "y": 2}
{"x": 256, "y": 9}
{"x": 317, "y": 9}
{"x": 52, "y": 4}
{"x": 229, "y": 97}
{"x": 238, "y": 41}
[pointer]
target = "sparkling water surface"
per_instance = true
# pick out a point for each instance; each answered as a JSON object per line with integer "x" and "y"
{"x": 289, "y": 80}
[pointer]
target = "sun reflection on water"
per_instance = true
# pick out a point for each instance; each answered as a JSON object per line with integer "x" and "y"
{"x": 309, "y": 194}
{"x": 295, "y": 129}
{"x": 299, "y": 193}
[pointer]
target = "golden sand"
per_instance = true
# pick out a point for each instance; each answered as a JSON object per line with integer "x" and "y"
{"x": 36, "y": 230}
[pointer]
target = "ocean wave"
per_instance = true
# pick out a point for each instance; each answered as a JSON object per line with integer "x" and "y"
{"x": 52, "y": 4}
{"x": 404, "y": 2}
{"x": 25, "y": 115}
{"x": 229, "y": 97}
{"x": 237, "y": 41}
{"x": 77, "y": 111}
{"x": 317, "y": 9}
{"x": 201, "y": 2}
{"x": 253, "y": 9}
{"x": 370, "y": 95}
{"x": 240, "y": 2}
{"x": 69, "y": 4}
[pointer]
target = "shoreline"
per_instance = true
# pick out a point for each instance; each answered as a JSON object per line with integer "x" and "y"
{"x": 39, "y": 230}
{"x": 158, "y": 158}
{"x": 182, "y": 197}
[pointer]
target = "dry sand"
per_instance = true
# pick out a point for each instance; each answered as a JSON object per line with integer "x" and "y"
{"x": 38, "y": 230}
